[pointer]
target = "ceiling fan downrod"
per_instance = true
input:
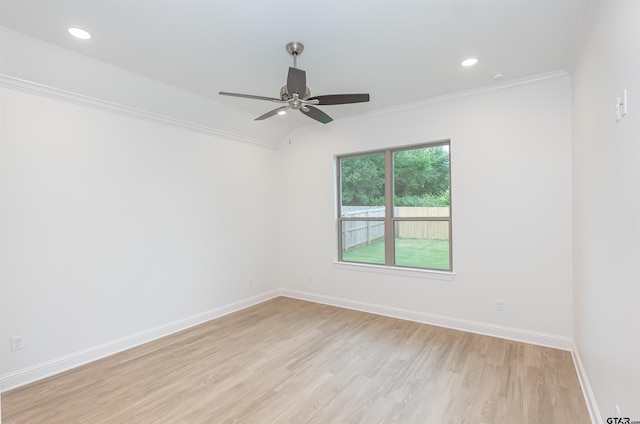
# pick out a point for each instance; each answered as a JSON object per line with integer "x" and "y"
{"x": 295, "y": 48}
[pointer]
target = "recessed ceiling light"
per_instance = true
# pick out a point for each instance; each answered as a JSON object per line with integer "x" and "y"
{"x": 282, "y": 112}
{"x": 498, "y": 76}
{"x": 469, "y": 62}
{"x": 79, "y": 33}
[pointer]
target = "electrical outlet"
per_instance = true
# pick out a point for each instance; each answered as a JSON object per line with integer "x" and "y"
{"x": 500, "y": 305}
{"x": 310, "y": 279}
{"x": 16, "y": 343}
{"x": 250, "y": 282}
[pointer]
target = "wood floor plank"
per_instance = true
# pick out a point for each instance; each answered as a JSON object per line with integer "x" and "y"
{"x": 291, "y": 361}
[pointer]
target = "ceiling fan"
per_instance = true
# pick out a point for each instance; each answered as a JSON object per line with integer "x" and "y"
{"x": 296, "y": 95}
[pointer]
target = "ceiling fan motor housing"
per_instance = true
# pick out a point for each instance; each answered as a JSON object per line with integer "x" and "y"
{"x": 285, "y": 95}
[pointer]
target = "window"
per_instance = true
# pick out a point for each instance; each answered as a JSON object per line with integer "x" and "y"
{"x": 394, "y": 207}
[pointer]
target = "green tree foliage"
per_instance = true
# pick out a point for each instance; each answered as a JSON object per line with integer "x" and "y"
{"x": 421, "y": 172}
{"x": 363, "y": 180}
{"x": 421, "y": 178}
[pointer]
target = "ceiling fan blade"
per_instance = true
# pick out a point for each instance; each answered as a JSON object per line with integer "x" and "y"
{"x": 341, "y": 99}
{"x": 271, "y": 113}
{"x": 297, "y": 82}
{"x": 250, "y": 96}
{"x": 317, "y": 114}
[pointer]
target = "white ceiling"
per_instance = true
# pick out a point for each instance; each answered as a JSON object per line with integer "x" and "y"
{"x": 399, "y": 51}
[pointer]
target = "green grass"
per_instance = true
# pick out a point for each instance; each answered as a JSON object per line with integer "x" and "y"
{"x": 409, "y": 252}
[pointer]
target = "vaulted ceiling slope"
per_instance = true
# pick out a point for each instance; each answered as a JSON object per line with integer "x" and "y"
{"x": 398, "y": 51}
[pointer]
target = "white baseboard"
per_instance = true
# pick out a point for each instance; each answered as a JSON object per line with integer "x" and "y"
{"x": 589, "y": 397}
{"x": 58, "y": 365}
{"x": 516, "y": 334}
{"x": 525, "y": 336}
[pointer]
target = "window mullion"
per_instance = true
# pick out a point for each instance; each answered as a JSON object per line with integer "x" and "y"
{"x": 389, "y": 250}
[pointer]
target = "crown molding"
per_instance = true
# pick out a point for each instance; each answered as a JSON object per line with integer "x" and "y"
{"x": 42, "y": 90}
{"x": 436, "y": 100}
{"x": 472, "y": 92}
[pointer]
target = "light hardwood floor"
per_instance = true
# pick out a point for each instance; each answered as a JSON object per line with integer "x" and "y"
{"x": 291, "y": 361}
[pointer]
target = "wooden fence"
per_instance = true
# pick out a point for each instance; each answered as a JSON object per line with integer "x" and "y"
{"x": 358, "y": 233}
{"x": 432, "y": 230}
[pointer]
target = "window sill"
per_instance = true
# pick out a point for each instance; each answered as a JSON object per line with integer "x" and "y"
{"x": 399, "y": 271}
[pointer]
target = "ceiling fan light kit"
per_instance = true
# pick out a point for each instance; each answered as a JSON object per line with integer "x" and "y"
{"x": 296, "y": 95}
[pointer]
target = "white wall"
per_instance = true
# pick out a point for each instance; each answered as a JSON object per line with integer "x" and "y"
{"x": 511, "y": 188}
{"x": 607, "y": 208}
{"x": 112, "y": 225}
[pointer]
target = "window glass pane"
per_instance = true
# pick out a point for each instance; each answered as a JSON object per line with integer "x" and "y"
{"x": 421, "y": 182}
{"x": 363, "y": 241}
{"x": 361, "y": 183}
{"x": 423, "y": 244}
